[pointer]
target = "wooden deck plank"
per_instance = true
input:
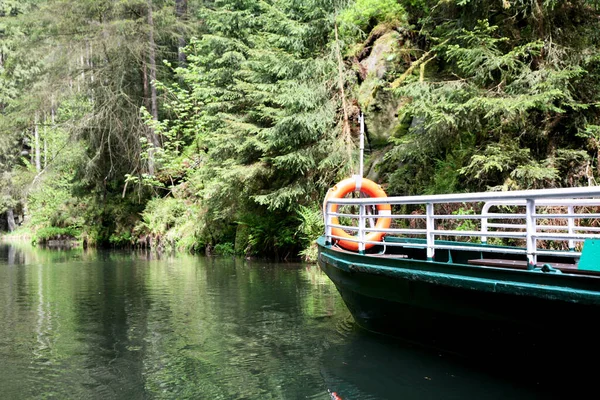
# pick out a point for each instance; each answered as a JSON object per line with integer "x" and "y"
{"x": 520, "y": 264}
{"x": 497, "y": 262}
{"x": 401, "y": 256}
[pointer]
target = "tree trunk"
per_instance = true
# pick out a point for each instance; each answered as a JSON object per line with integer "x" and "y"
{"x": 90, "y": 62}
{"x": 36, "y": 133}
{"x": 45, "y": 144}
{"x": 152, "y": 66}
{"x": 181, "y": 13}
{"x": 1, "y": 67}
{"x": 90, "y": 66}
{"x": 82, "y": 61}
{"x": 153, "y": 96}
{"x": 10, "y": 218}
{"x": 145, "y": 79}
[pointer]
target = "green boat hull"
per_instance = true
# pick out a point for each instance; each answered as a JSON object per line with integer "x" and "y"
{"x": 474, "y": 311}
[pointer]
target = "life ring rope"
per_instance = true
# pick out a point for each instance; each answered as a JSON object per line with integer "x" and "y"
{"x": 369, "y": 188}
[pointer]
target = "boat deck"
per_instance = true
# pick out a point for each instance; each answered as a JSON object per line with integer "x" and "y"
{"x": 520, "y": 264}
{"x": 482, "y": 260}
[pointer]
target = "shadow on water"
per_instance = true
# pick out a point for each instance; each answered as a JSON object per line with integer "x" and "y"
{"x": 372, "y": 366}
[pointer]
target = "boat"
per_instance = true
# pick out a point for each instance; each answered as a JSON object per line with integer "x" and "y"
{"x": 491, "y": 274}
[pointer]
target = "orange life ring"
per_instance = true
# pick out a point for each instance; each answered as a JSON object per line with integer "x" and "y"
{"x": 369, "y": 188}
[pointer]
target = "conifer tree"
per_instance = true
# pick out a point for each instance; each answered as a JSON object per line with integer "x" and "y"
{"x": 259, "y": 97}
{"x": 506, "y": 99}
{"x": 87, "y": 61}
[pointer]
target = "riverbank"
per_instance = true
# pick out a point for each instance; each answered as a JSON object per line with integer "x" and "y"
{"x": 16, "y": 236}
{"x": 26, "y": 236}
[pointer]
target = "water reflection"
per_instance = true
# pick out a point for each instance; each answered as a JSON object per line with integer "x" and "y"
{"x": 133, "y": 325}
{"x": 79, "y": 324}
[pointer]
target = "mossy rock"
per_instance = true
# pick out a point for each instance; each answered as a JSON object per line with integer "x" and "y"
{"x": 379, "y": 104}
{"x": 372, "y": 167}
{"x": 384, "y": 55}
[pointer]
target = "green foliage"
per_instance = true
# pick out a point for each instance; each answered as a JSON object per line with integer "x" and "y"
{"x": 493, "y": 164}
{"x": 109, "y": 222}
{"x": 247, "y": 137}
{"x": 446, "y": 177}
{"x": 54, "y": 233}
{"x": 120, "y": 239}
{"x": 78, "y": 71}
{"x": 311, "y": 227}
{"x": 466, "y": 224}
{"x": 169, "y": 222}
{"x": 51, "y": 200}
{"x": 417, "y": 7}
{"x": 224, "y": 249}
{"x": 357, "y": 20}
{"x": 252, "y": 118}
{"x": 506, "y": 105}
{"x": 160, "y": 215}
{"x": 272, "y": 235}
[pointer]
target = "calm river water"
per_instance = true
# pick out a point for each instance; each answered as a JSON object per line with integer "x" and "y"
{"x": 123, "y": 325}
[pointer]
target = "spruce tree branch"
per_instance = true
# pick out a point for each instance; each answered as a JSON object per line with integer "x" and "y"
{"x": 422, "y": 69}
{"x": 423, "y": 60}
{"x": 48, "y": 164}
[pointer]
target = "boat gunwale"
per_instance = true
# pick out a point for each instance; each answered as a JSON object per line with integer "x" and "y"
{"x": 557, "y": 286}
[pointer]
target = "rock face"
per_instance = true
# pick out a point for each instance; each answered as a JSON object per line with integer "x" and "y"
{"x": 384, "y": 56}
{"x": 379, "y": 104}
{"x": 10, "y": 218}
{"x": 3, "y": 222}
{"x": 383, "y": 52}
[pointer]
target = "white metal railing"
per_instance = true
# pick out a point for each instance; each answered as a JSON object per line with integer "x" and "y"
{"x": 531, "y": 205}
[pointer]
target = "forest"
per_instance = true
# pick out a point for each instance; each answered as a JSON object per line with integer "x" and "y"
{"x": 217, "y": 126}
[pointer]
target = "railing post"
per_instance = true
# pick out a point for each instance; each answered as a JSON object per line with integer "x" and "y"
{"x": 361, "y": 229}
{"x": 328, "y": 239}
{"x": 571, "y": 224}
{"x": 531, "y": 230}
{"x": 430, "y": 235}
{"x": 484, "y": 222}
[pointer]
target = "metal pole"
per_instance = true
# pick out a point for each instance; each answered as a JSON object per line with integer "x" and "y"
{"x": 361, "y": 230}
{"x": 484, "y": 221}
{"x": 530, "y": 223}
{"x": 328, "y": 231}
{"x": 361, "y": 119}
{"x": 571, "y": 225}
{"x": 430, "y": 221}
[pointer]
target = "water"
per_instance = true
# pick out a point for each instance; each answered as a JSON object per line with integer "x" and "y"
{"x": 122, "y": 325}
